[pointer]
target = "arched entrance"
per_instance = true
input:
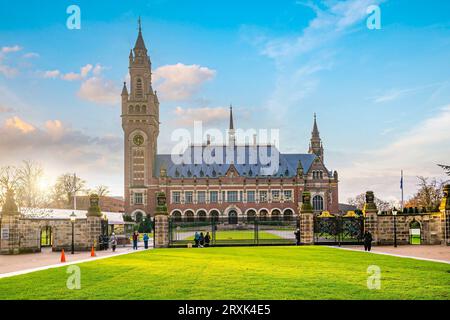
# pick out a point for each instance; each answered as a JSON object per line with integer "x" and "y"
{"x": 46, "y": 237}
{"x": 415, "y": 234}
{"x": 232, "y": 217}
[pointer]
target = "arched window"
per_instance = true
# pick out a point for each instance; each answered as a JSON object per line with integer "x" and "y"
{"x": 201, "y": 215}
{"x": 318, "y": 203}
{"x": 176, "y": 215}
{"x": 275, "y": 215}
{"x": 189, "y": 216}
{"x": 251, "y": 215}
{"x": 130, "y": 109}
{"x": 214, "y": 214}
{"x": 288, "y": 215}
{"x": 144, "y": 109}
{"x": 263, "y": 215}
{"x": 138, "y": 109}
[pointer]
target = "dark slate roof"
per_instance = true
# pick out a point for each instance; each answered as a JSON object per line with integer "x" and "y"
{"x": 208, "y": 168}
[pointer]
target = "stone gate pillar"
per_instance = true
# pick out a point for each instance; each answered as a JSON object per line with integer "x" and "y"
{"x": 371, "y": 216}
{"x": 94, "y": 222}
{"x": 9, "y": 221}
{"x": 445, "y": 215}
{"x": 161, "y": 222}
{"x": 306, "y": 220}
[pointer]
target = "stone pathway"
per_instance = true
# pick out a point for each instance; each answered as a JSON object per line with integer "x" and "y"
{"x": 24, "y": 263}
{"x": 422, "y": 252}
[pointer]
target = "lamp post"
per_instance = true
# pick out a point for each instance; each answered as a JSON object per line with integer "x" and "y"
{"x": 73, "y": 217}
{"x": 394, "y": 213}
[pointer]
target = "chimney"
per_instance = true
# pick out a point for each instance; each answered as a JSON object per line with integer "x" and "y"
{"x": 254, "y": 139}
{"x": 208, "y": 139}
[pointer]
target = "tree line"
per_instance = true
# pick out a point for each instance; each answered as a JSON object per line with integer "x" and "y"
{"x": 26, "y": 181}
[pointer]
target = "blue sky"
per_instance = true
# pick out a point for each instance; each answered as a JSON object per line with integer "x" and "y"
{"x": 382, "y": 96}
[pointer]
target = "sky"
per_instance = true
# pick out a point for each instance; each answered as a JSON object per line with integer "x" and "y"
{"x": 382, "y": 96}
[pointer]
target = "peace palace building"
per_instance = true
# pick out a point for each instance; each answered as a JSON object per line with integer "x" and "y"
{"x": 229, "y": 186}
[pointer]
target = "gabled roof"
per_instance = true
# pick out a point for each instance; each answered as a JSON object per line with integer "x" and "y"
{"x": 215, "y": 163}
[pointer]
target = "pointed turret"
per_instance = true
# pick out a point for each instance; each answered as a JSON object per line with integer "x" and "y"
{"x": 231, "y": 132}
{"x": 124, "y": 90}
{"x": 299, "y": 169}
{"x": 315, "y": 146}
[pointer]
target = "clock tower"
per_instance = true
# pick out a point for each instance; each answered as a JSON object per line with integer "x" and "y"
{"x": 140, "y": 123}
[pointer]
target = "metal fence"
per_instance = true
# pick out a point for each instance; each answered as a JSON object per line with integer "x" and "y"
{"x": 233, "y": 231}
{"x": 338, "y": 230}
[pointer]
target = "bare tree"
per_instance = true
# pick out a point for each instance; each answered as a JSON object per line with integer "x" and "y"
{"x": 30, "y": 174}
{"x": 9, "y": 180}
{"x": 101, "y": 190}
{"x": 446, "y": 168}
{"x": 67, "y": 185}
{"x": 429, "y": 194}
{"x": 360, "y": 200}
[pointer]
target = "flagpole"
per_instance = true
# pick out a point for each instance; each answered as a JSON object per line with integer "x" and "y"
{"x": 402, "y": 190}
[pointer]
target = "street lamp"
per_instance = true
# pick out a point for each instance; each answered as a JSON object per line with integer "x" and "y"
{"x": 73, "y": 217}
{"x": 394, "y": 213}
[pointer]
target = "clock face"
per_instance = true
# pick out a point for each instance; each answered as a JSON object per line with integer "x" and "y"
{"x": 138, "y": 140}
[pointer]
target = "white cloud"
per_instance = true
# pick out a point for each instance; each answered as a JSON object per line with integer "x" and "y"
{"x": 207, "y": 115}
{"x": 15, "y": 48}
{"x": 416, "y": 151}
{"x": 99, "y": 90}
{"x": 16, "y": 123}
{"x": 180, "y": 82}
{"x": 51, "y": 74}
{"x": 31, "y": 55}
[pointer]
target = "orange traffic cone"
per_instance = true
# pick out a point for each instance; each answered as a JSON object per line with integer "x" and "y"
{"x": 92, "y": 252}
{"x": 63, "y": 256}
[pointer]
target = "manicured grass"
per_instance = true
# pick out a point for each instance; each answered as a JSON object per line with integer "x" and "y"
{"x": 415, "y": 239}
{"x": 239, "y": 273}
{"x": 241, "y": 235}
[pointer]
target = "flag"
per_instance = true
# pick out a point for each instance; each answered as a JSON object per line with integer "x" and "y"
{"x": 401, "y": 183}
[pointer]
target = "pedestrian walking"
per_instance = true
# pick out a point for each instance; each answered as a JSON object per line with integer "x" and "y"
{"x": 367, "y": 241}
{"x": 113, "y": 241}
{"x": 145, "y": 238}
{"x": 135, "y": 240}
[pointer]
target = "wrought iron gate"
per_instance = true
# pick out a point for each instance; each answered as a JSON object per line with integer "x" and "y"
{"x": 337, "y": 230}
{"x": 241, "y": 230}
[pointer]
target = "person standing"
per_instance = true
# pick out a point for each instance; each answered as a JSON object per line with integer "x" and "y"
{"x": 113, "y": 241}
{"x": 135, "y": 240}
{"x": 367, "y": 241}
{"x": 297, "y": 236}
{"x": 196, "y": 239}
{"x": 201, "y": 240}
{"x": 207, "y": 239}
{"x": 145, "y": 241}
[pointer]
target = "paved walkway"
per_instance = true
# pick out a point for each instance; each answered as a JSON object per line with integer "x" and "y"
{"x": 22, "y": 263}
{"x": 423, "y": 252}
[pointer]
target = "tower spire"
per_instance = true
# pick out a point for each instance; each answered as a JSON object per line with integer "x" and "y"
{"x": 315, "y": 146}
{"x": 140, "y": 45}
{"x": 231, "y": 132}
{"x": 231, "y": 118}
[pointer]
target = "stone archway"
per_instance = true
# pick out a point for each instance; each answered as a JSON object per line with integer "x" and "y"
{"x": 415, "y": 232}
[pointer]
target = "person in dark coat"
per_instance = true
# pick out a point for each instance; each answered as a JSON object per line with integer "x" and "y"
{"x": 197, "y": 239}
{"x": 367, "y": 241}
{"x": 135, "y": 240}
{"x": 201, "y": 240}
{"x": 207, "y": 239}
{"x": 297, "y": 236}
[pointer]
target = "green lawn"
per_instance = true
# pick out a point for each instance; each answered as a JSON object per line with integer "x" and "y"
{"x": 239, "y": 273}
